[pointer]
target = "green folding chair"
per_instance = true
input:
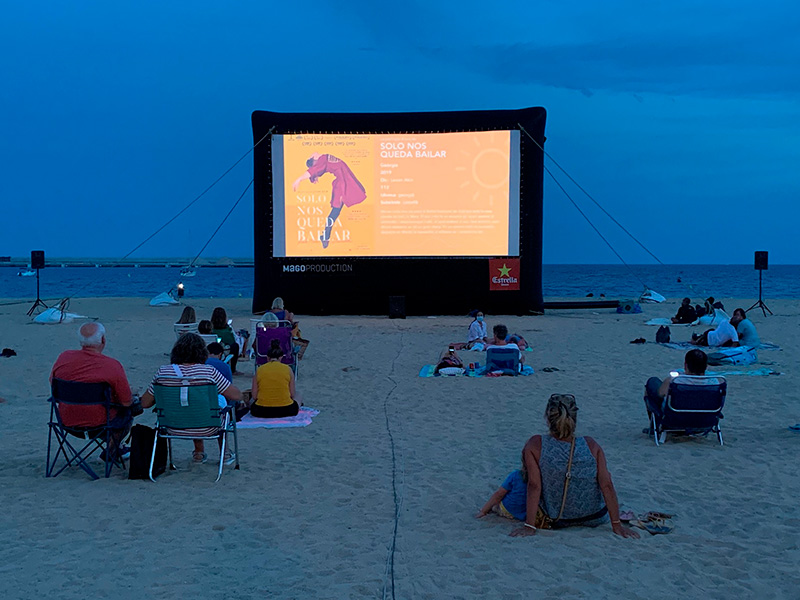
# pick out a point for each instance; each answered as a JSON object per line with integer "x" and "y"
{"x": 192, "y": 413}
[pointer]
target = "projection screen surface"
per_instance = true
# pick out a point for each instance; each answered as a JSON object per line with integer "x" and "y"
{"x": 396, "y": 195}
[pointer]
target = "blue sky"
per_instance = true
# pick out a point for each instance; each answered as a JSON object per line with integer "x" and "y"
{"x": 682, "y": 120}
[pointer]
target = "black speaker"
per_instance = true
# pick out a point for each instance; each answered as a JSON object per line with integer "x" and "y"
{"x": 37, "y": 259}
{"x": 397, "y": 307}
{"x": 762, "y": 262}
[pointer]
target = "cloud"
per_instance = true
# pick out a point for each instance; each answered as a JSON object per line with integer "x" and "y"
{"x": 759, "y": 64}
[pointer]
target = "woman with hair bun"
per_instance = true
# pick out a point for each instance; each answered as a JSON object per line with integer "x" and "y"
{"x": 590, "y": 498}
{"x": 273, "y": 389}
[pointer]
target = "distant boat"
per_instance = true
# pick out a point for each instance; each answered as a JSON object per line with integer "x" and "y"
{"x": 26, "y": 273}
{"x": 188, "y": 272}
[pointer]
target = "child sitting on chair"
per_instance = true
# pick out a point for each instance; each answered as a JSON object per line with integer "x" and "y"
{"x": 511, "y": 498}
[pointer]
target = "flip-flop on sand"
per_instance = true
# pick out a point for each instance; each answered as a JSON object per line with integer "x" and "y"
{"x": 654, "y": 525}
{"x": 795, "y": 427}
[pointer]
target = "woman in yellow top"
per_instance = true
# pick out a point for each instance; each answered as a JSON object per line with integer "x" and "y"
{"x": 273, "y": 388}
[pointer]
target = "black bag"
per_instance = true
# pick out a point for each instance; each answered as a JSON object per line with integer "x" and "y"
{"x": 141, "y": 450}
{"x": 662, "y": 335}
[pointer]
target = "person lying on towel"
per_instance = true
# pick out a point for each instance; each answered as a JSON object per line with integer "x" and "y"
{"x": 449, "y": 359}
{"x": 724, "y": 335}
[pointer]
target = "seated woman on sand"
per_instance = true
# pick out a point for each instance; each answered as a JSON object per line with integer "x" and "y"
{"x": 477, "y": 330}
{"x": 187, "y": 316}
{"x": 188, "y": 357}
{"x": 279, "y": 310}
{"x": 568, "y": 480}
{"x": 223, "y": 331}
{"x": 274, "y": 392}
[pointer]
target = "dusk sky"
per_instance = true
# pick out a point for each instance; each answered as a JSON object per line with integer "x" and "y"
{"x": 681, "y": 118}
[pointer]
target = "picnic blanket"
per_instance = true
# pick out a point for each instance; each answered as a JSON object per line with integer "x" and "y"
{"x": 429, "y": 371}
{"x": 665, "y": 321}
{"x": 755, "y": 372}
{"x": 302, "y": 419}
{"x": 689, "y": 346}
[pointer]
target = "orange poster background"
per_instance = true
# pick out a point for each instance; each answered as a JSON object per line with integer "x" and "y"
{"x": 307, "y": 209}
{"x": 427, "y": 195}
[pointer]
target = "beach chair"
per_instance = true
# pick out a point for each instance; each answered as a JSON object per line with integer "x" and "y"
{"x": 282, "y": 333}
{"x": 191, "y": 412}
{"x": 208, "y": 338}
{"x": 92, "y": 438}
{"x": 181, "y": 328}
{"x": 502, "y": 359}
{"x": 691, "y": 408}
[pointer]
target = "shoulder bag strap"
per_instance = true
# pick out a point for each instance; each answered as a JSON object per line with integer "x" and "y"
{"x": 567, "y": 478}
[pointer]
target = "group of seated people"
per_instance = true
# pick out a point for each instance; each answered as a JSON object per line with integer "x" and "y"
{"x": 736, "y": 331}
{"x": 500, "y": 339}
{"x": 689, "y": 314}
{"x": 536, "y": 493}
{"x": 273, "y": 394}
{"x": 235, "y": 343}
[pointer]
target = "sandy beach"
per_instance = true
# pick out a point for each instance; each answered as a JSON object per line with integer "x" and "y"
{"x": 311, "y": 512}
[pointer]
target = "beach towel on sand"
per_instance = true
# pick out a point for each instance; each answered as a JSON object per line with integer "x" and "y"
{"x": 302, "y": 419}
{"x": 430, "y": 371}
{"x": 665, "y": 321}
{"x": 749, "y": 371}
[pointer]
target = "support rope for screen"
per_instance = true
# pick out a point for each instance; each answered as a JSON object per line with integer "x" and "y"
{"x": 216, "y": 231}
{"x": 185, "y": 208}
{"x": 617, "y": 223}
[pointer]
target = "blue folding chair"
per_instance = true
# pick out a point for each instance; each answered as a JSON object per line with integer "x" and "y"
{"x": 502, "y": 359}
{"x": 96, "y": 438}
{"x": 192, "y": 412}
{"x": 691, "y": 408}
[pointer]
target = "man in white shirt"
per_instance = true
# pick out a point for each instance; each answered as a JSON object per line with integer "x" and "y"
{"x": 724, "y": 335}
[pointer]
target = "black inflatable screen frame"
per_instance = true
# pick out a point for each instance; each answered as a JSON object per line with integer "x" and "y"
{"x": 436, "y": 285}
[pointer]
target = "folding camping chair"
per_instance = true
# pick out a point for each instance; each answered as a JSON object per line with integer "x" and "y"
{"x": 282, "y": 333}
{"x": 191, "y": 412}
{"x": 208, "y": 338}
{"x": 502, "y": 359}
{"x": 181, "y": 328}
{"x": 691, "y": 408}
{"x": 96, "y": 438}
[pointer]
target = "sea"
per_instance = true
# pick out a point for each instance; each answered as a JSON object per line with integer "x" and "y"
{"x": 578, "y": 281}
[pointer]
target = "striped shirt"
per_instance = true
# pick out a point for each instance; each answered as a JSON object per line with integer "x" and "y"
{"x": 199, "y": 374}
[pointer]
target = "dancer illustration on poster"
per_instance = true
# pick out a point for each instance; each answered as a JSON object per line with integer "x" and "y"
{"x": 346, "y": 188}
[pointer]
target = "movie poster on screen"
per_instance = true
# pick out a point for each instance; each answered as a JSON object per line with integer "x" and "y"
{"x": 503, "y": 274}
{"x": 397, "y": 194}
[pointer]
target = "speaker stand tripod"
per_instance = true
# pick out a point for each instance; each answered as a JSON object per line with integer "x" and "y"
{"x": 39, "y": 302}
{"x": 760, "y": 304}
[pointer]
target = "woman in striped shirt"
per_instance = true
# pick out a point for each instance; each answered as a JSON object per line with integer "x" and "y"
{"x": 187, "y": 360}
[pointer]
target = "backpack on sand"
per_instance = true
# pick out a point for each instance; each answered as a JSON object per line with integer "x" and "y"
{"x": 662, "y": 335}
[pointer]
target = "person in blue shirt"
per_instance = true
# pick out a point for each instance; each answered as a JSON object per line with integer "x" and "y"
{"x": 215, "y": 352}
{"x": 745, "y": 329}
{"x": 510, "y": 499}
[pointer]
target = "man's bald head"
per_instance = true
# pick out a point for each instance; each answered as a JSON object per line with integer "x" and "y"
{"x": 92, "y": 335}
